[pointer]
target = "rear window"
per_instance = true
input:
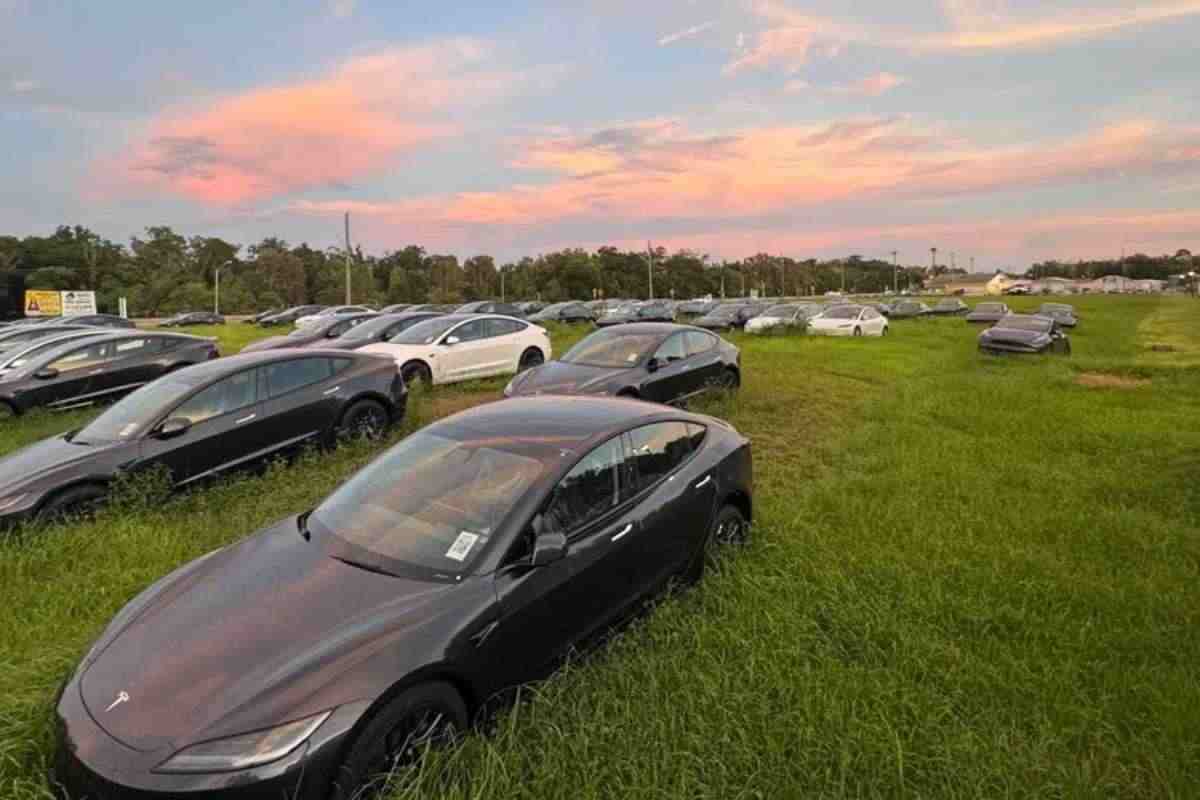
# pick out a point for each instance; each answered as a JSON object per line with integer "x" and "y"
{"x": 288, "y": 376}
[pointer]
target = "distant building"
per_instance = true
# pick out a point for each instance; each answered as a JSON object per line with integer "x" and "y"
{"x": 1054, "y": 285}
{"x": 1119, "y": 284}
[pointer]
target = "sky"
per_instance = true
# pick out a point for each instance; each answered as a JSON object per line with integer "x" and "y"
{"x": 1003, "y": 132}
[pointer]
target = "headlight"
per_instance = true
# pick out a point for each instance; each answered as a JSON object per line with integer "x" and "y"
{"x": 10, "y": 501}
{"x": 245, "y": 750}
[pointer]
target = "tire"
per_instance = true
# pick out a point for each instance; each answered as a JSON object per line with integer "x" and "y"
{"x": 387, "y": 742}
{"x": 529, "y": 359}
{"x": 730, "y": 379}
{"x": 415, "y": 371}
{"x": 858, "y": 331}
{"x": 884, "y": 332}
{"x": 366, "y": 418}
{"x": 8, "y": 411}
{"x": 76, "y": 500}
{"x": 728, "y": 527}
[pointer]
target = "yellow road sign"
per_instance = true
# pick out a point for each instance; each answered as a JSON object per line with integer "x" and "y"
{"x": 43, "y": 304}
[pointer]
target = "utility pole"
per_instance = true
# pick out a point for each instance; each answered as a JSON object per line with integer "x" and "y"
{"x": 348, "y": 300}
{"x": 650, "y": 267}
{"x": 972, "y": 264}
{"x": 895, "y": 272}
{"x": 953, "y": 263}
{"x": 933, "y": 254}
{"x": 843, "y": 277}
{"x": 502, "y": 284}
{"x": 722, "y": 279}
{"x": 217, "y": 290}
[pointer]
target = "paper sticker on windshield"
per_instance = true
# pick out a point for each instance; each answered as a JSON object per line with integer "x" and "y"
{"x": 633, "y": 357}
{"x": 462, "y": 545}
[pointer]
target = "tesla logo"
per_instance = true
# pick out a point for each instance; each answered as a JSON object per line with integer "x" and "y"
{"x": 123, "y": 697}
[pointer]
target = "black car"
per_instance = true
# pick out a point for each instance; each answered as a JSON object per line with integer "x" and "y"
{"x": 336, "y": 645}
{"x": 693, "y": 309}
{"x": 290, "y": 315}
{"x": 1061, "y": 313}
{"x": 948, "y": 307}
{"x": 489, "y": 307}
{"x": 908, "y": 309}
{"x": 1025, "y": 333}
{"x": 377, "y": 329}
{"x": 654, "y": 361}
{"x": 530, "y": 307}
{"x": 731, "y": 315}
{"x": 260, "y": 316}
{"x": 204, "y": 420}
{"x": 988, "y": 312}
{"x": 651, "y": 311}
{"x": 564, "y": 312}
{"x": 323, "y": 331}
{"x": 98, "y": 368}
{"x": 99, "y": 321}
{"x": 193, "y": 318}
{"x": 396, "y": 308}
{"x": 20, "y": 336}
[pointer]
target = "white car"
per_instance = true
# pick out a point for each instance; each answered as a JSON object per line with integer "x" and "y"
{"x": 460, "y": 347}
{"x": 332, "y": 311}
{"x": 849, "y": 320}
{"x": 782, "y": 317}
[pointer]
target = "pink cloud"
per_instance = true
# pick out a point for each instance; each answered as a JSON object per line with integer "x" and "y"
{"x": 358, "y": 118}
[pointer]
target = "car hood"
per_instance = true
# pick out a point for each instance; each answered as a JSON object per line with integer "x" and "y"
{"x": 1014, "y": 336}
{"x": 558, "y": 377}
{"x": 41, "y": 459}
{"x": 244, "y": 638}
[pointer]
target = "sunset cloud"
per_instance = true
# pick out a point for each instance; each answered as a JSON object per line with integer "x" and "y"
{"x": 323, "y": 132}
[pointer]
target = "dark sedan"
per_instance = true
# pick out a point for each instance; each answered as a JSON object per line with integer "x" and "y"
{"x": 260, "y": 316}
{"x": 731, "y": 315}
{"x": 988, "y": 312}
{"x": 654, "y": 361}
{"x": 948, "y": 307}
{"x": 193, "y": 318}
{"x": 290, "y": 315}
{"x": 374, "y": 330}
{"x": 205, "y": 420}
{"x": 1061, "y": 313}
{"x": 564, "y": 312}
{"x": 99, "y": 321}
{"x": 323, "y": 331}
{"x": 1025, "y": 333}
{"x": 652, "y": 311}
{"x": 908, "y": 309}
{"x": 693, "y": 309}
{"x": 98, "y": 368}
{"x": 336, "y": 645}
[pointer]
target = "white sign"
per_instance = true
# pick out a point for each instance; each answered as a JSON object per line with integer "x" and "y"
{"x": 76, "y": 303}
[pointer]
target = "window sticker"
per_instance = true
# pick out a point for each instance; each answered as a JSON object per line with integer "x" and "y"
{"x": 462, "y": 546}
{"x": 133, "y": 344}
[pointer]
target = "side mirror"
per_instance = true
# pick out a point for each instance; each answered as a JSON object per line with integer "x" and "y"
{"x": 652, "y": 365}
{"x": 46, "y": 373}
{"x": 452, "y": 340}
{"x": 548, "y": 548}
{"x": 175, "y": 426}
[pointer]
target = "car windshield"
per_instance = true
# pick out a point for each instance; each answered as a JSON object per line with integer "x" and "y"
{"x": 130, "y": 416}
{"x": 842, "y": 312}
{"x": 425, "y": 332}
{"x": 431, "y": 502}
{"x": 990, "y": 308}
{"x": 612, "y": 349}
{"x": 1022, "y": 323}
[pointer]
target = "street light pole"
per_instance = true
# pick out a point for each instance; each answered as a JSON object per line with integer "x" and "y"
{"x": 650, "y": 267}
{"x": 895, "y": 272}
{"x": 217, "y": 291}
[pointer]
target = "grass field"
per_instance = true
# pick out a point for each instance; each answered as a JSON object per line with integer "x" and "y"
{"x": 969, "y": 577}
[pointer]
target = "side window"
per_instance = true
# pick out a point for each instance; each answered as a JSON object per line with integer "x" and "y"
{"x": 699, "y": 342}
{"x": 696, "y": 434}
{"x": 340, "y": 328}
{"x": 132, "y": 347}
{"x": 589, "y": 490}
{"x": 288, "y": 376}
{"x": 471, "y": 331}
{"x": 657, "y": 450}
{"x": 231, "y": 394}
{"x": 673, "y": 349}
{"x": 869, "y": 314}
{"x": 83, "y": 358}
{"x": 503, "y": 327}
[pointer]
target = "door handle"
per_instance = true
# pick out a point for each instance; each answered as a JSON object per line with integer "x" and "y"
{"x": 624, "y": 532}
{"x": 704, "y": 482}
{"x": 245, "y": 419}
{"x": 328, "y": 392}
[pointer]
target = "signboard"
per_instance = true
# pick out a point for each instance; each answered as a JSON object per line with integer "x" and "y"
{"x": 77, "y": 303}
{"x": 43, "y": 304}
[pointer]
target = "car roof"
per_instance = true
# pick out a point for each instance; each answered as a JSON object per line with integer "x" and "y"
{"x": 663, "y": 328}
{"x": 103, "y": 334}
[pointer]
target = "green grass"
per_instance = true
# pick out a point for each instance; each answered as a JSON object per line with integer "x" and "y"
{"x": 969, "y": 577}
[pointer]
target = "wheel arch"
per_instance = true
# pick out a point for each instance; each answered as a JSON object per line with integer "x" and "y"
{"x": 741, "y": 501}
{"x": 425, "y": 365}
{"x": 369, "y": 394}
{"x": 104, "y": 484}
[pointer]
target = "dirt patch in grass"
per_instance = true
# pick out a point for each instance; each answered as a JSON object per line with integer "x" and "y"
{"x": 1102, "y": 380}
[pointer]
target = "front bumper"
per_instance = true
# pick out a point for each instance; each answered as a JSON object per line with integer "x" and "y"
{"x": 91, "y": 765}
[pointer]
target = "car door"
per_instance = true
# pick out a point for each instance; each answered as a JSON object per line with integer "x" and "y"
{"x": 78, "y": 371}
{"x": 671, "y": 380}
{"x": 873, "y": 322}
{"x": 466, "y": 351}
{"x": 704, "y": 359}
{"x": 135, "y": 362}
{"x": 300, "y": 401}
{"x": 220, "y": 435}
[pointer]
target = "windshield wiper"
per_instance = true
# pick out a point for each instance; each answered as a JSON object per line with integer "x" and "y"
{"x": 364, "y": 565}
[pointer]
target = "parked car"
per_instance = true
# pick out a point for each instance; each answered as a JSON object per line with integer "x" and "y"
{"x": 988, "y": 312}
{"x": 949, "y": 306}
{"x": 882, "y": 307}
{"x": 530, "y": 307}
{"x": 380, "y": 328}
{"x": 784, "y": 317}
{"x": 651, "y": 311}
{"x": 849, "y": 320}
{"x": 694, "y": 309}
{"x": 908, "y": 309}
{"x": 564, "y": 312}
{"x": 98, "y": 368}
{"x": 193, "y": 318}
{"x": 655, "y": 361}
{"x": 395, "y": 308}
{"x": 260, "y": 316}
{"x": 290, "y": 315}
{"x": 731, "y": 315}
{"x": 332, "y": 312}
{"x": 489, "y": 307}
{"x": 98, "y": 320}
{"x": 459, "y": 347}
{"x": 1061, "y": 313}
{"x": 205, "y": 420}
{"x": 324, "y": 331}
{"x": 1025, "y": 333}
{"x": 340, "y": 643}
{"x": 13, "y": 357}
